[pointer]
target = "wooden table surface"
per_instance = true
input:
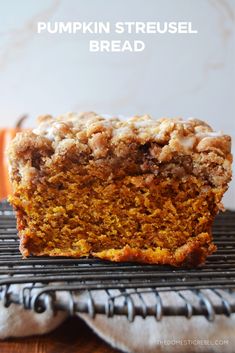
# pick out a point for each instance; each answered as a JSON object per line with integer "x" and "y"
{"x": 73, "y": 336}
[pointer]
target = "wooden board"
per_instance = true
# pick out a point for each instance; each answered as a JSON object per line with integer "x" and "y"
{"x": 73, "y": 336}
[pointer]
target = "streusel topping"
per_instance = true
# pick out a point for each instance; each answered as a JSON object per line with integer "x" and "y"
{"x": 100, "y": 133}
{"x": 114, "y": 147}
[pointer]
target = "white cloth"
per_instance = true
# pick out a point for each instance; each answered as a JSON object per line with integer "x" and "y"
{"x": 142, "y": 335}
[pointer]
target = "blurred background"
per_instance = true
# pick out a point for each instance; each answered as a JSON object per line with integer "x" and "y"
{"x": 176, "y": 75}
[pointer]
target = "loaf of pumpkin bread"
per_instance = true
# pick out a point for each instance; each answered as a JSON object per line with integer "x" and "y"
{"x": 135, "y": 189}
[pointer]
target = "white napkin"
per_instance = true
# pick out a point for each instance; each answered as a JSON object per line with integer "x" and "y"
{"x": 142, "y": 335}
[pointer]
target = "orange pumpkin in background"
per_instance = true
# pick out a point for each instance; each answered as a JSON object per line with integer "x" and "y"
{"x": 6, "y": 135}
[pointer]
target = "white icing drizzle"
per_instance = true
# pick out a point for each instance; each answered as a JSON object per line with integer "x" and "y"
{"x": 46, "y": 131}
{"x": 210, "y": 134}
{"x": 143, "y": 123}
{"x": 187, "y": 142}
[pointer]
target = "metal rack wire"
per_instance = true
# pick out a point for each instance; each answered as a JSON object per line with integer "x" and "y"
{"x": 98, "y": 287}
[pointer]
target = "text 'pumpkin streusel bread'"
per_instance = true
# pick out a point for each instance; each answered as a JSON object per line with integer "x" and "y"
{"x": 124, "y": 190}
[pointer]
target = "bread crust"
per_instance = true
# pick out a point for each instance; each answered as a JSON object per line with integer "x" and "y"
{"x": 138, "y": 159}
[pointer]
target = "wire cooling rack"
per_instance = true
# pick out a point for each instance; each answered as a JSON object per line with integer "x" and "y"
{"x": 100, "y": 287}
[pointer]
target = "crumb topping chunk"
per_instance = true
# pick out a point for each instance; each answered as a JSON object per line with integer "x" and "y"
{"x": 155, "y": 145}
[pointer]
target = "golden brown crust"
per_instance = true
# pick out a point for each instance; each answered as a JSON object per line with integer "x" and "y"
{"x": 193, "y": 253}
